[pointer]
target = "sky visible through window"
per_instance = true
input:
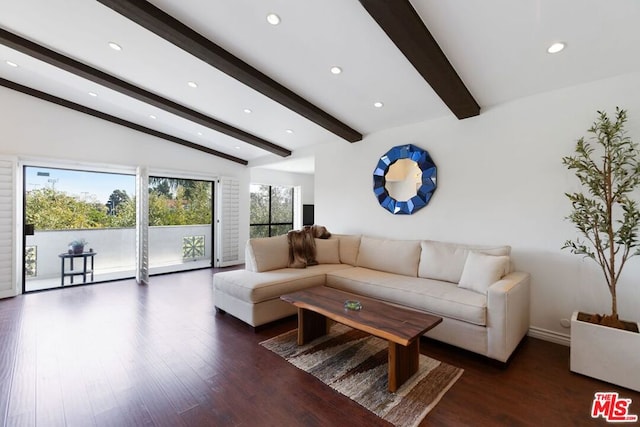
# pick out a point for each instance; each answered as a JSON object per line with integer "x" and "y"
{"x": 80, "y": 184}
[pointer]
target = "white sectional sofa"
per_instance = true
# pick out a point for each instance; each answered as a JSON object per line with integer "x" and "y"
{"x": 483, "y": 303}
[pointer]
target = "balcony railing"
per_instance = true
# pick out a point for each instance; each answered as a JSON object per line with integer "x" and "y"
{"x": 170, "y": 248}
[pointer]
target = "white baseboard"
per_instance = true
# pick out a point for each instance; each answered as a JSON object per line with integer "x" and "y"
{"x": 547, "y": 335}
{"x": 8, "y": 293}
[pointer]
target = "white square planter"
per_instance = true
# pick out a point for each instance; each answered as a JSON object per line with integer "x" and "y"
{"x": 608, "y": 354}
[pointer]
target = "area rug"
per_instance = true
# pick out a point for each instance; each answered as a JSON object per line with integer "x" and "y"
{"x": 354, "y": 363}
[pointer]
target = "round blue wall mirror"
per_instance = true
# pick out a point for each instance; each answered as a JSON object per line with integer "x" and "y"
{"x": 404, "y": 179}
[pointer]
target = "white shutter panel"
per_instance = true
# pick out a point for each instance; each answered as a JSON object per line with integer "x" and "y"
{"x": 228, "y": 222}
{"x": 297, "y": 208}
{"x": 7, "y": 229}
{"x": 142, "y": 225}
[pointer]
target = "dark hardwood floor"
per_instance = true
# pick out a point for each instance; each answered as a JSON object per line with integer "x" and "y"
{"x": 119, "y": 354}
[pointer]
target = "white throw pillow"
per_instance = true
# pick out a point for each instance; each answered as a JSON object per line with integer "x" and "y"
{"x": 269, "y": 253}
{"x": 445, "y": 261}
{"x": 328, "y": 251}
{"x": 481, "y": 271}
{"x": 349, "y": 247}
{"x": 391, "y": 256}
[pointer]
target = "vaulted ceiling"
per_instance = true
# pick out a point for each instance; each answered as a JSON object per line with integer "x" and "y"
{"x": 263, "y": 91}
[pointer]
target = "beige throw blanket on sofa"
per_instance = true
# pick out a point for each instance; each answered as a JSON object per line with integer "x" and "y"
{"x": 302, "y": 245}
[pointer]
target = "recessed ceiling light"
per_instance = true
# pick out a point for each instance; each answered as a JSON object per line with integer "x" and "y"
{"x": 192, "y": 84}
{"x": 247, "y": 111}
{"x": 11, "y": 64}
{"x": 199, "y": 133}
{"x": 237, "y": 147}
{"x": 289, "y": 131}
{"x": 93, "y": 94}
{"x": 115, "y": 46}
{"x": 336, "y": 70}
{"x": 378, "y": 104}
{"x": 273, "y": 19}
{"x": 151, "y": 116}
{"x": 556, "y": 47}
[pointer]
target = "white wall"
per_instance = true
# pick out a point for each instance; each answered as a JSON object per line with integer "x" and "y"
{"x": 500, "y": 181}
{"x": 35, "y": 129}
{"x": 274, "y": 177}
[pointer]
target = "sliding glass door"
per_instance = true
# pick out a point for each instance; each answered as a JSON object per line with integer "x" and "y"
{"x": 180, "y": 224}
{"x": 79, "y": 227}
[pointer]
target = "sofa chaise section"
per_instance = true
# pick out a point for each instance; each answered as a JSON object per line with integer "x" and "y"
{"x": 253, "y": 294}
{"x": 255, "y": 297}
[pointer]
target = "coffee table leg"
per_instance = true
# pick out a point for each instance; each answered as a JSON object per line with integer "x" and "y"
{"x": 403, "y": 363}
{"x": 311, "y": 325}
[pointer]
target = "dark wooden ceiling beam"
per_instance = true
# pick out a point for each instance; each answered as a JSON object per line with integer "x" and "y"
{"x": 82, "y": 70}
{"x": 98, "y": 114}
{"x": 155, "y": 20}
{"x": 405, "y": 28}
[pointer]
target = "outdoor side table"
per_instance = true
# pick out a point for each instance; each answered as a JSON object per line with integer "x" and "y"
{"x": 71, "y": 272}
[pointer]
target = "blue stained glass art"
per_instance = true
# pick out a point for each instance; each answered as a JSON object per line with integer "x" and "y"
{"x": 423, "y": 192}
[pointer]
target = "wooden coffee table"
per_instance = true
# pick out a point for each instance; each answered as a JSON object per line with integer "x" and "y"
{"x": 401, "y": 327}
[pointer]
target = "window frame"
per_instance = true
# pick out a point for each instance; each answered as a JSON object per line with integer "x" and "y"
{"x": 270, "y": 224}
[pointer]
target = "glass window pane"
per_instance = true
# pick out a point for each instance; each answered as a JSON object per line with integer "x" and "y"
{"x": 281, "y": 204}
{"x": 259, "y": 204}
{"x": 180, "y": 232}
{"x": 271, "y": 206}
{"x": 62, "y": 199}
{"x": 259, "y": 231}
{"x": 67, "y": 206}
{"x": 174, "y": 201}
{"x": 277, "y": 230}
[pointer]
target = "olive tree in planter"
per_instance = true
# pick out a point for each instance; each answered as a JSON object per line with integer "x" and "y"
{"x": 608, "y": 167}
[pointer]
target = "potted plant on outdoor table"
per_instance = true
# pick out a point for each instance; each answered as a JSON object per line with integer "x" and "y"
{"x": 608, "y": 167}
{"x": 77, "y": 246}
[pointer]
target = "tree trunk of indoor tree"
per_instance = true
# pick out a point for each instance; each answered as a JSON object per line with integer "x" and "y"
{"x": 612, "y": 319}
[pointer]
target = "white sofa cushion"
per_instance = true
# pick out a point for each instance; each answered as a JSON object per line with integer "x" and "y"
{"x": 392, "y": 256}
{"x": 445, "y": 261}
{"x": 349, "y": 247}
{"x": 328, "y": 251}
{"x": 436, "y": 297}
{"x": 268, "y": 253}
{"x": 482, "y": 270}
{"x": 249, "y": 259}
{"x": 254, "y": 287}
